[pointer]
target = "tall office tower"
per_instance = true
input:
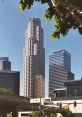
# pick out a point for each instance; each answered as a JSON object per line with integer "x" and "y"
{"x": 34, "y": 60}
{"x": 5, "y": 64}
{"x": 59, "y": 70}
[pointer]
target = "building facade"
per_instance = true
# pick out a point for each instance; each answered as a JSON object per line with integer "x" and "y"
{"x": 59, "y": 70}
{"x": 74, "y": 88}
{"x": 5, "y": 64}
{"x": 34, "y": 60}
{"x": 10, "y": 80}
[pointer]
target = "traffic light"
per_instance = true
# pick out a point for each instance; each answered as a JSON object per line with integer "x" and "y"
{"x": 75, "y": 104}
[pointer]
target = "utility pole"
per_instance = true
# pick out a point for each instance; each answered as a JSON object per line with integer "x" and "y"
{"x": 40, "y": 104}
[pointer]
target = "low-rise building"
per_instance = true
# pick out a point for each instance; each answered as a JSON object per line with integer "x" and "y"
{"x": 10, "y": 80}
{"x": 74, "y": 88}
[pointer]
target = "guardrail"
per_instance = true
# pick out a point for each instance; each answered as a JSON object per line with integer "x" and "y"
{"x": 68, "y": 98}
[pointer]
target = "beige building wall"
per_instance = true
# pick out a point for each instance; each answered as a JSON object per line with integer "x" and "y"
{"x": 39, "y": 86}
{"x": 34, "y": 60}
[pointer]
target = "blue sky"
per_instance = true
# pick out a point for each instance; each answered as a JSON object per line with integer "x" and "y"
{"x": 12, "y": 36}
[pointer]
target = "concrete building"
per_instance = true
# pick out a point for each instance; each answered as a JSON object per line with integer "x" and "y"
{"x": 70, "y": 104}
{"x": 60, "y": 93}
{"x": 5, "y": 64}
{"x": 34, "y": 60}
{"x": 74, "y": 88}
{"x": 10, "y": 80}
{"x": 74, "y": 105}
{"x": 59, "y": 70}
{"x": 41, "y": 101}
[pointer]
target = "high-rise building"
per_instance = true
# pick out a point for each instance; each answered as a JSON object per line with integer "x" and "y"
{"x": 59, "y": 70}
{"x": 34, "y": 60}
{"x": 5, "y": 64}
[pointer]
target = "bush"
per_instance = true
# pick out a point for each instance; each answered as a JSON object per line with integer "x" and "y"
{"x": 67, "y": 113}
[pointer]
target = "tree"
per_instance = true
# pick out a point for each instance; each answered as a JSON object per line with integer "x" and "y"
{"x": 49, "y": 114}
{"x": 38, "y": 114}
{"x": 67, "y": 113}
{"x": 9, "y": 114}
{"x": 6, "y": 91}
{"x": 67, "y": 14}
{"x": 43, "y": 114}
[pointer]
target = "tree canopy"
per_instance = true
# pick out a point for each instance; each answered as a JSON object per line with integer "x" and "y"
{"x": 67, "y": 14}
{"x": 65, "y": 113}
{"x": 6, "y": 91}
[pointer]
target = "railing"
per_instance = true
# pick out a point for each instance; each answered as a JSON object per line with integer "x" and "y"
{"x": 68, "y": 98}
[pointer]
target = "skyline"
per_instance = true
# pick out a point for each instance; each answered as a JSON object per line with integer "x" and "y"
{"x": 12, "y": 34}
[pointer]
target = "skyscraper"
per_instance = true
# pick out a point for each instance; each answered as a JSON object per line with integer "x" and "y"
{"x": 5, "y": 64}
{"x": 59, "y": 70}
{"x": 34, "y": 60}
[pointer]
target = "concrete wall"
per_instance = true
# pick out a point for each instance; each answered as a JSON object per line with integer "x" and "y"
{"x": 65, "y": 104}
{"x": 24, "y": 114}
{"x": 70, "y": 104}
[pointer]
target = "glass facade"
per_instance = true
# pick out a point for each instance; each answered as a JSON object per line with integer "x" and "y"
{"x": 59, "y": 69}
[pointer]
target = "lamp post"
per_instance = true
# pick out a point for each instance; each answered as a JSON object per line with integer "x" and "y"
{"x": 66, "y": 92}
{"x": 40, "y": 104}
{"x": 75, "y": 93}
{"x": 58, "y": 94}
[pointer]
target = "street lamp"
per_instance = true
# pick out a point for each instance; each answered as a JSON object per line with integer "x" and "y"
{"x": 40, "y": 104}
{"x": 58, "y": 94}
{"x": 75, "y": 93}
